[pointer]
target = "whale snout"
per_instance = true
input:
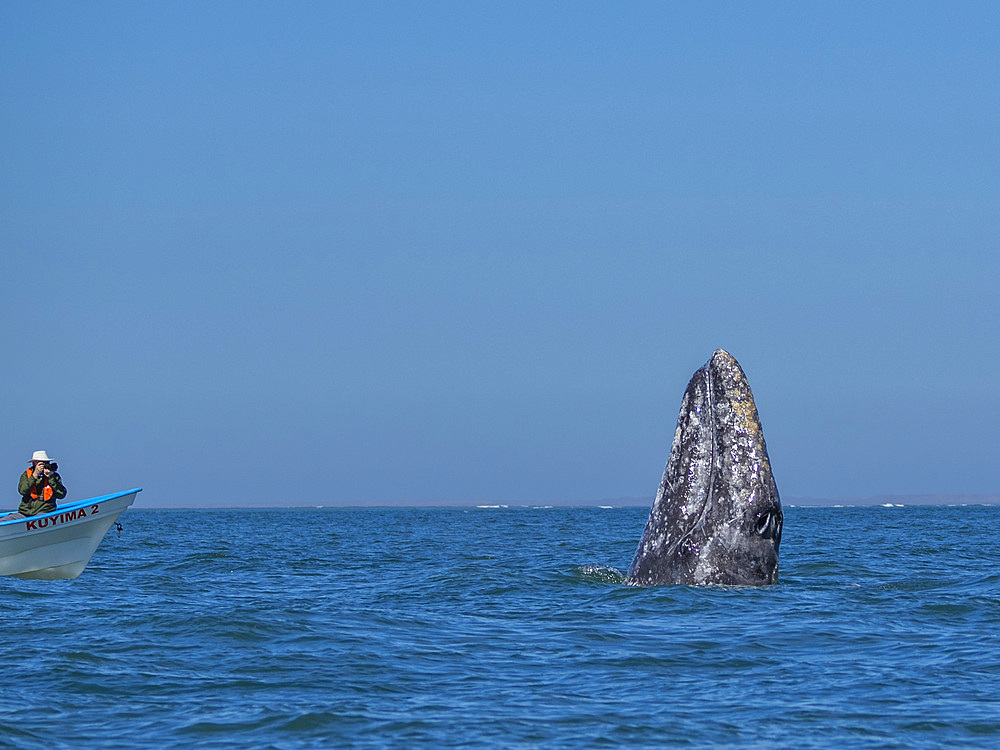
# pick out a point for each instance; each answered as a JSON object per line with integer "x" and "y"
{"x": 717, "y": 517}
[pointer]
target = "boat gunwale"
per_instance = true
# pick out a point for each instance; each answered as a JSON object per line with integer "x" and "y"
{"x": 73, "y": 506}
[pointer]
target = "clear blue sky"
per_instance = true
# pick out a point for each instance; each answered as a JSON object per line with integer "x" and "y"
{"x": 342, "y": 252}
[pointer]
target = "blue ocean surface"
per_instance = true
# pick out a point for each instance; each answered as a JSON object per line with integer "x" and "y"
{"x": 505, "y": 627}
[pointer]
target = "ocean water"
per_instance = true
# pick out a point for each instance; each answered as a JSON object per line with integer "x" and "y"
{"x": 505, "y": 627}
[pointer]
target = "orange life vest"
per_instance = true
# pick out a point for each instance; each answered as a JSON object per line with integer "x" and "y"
{"x": 46, "y": 491}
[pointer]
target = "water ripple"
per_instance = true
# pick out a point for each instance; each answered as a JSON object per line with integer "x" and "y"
{"x": 506, "y": 627}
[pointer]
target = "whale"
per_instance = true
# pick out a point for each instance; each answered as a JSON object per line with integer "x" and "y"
{"x": 716, "y": 518}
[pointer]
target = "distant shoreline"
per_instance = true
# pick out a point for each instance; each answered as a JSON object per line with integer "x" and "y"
{"x": 893, "y": 500}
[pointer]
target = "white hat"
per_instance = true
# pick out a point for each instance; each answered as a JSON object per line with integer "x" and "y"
{"x": 39, "y": 456}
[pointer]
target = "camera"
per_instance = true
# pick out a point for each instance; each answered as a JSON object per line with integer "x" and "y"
{"x": 52, "y": 466}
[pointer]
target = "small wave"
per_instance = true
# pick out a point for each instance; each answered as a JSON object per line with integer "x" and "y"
{"x": 600, "y": 574}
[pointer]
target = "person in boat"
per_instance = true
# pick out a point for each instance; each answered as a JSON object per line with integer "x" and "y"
{"x": 40, "y": 486}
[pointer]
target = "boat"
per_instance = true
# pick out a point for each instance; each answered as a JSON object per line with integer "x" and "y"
{"x": 56, "y": 545}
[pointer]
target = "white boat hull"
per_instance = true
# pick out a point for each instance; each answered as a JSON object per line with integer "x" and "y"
{"x": 59, "y": 544}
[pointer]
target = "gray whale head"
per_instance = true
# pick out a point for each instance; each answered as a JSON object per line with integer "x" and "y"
{"x": 716, "y": 518}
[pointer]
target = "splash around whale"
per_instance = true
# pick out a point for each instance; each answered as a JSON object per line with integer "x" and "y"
{"x": 717, "y": 517}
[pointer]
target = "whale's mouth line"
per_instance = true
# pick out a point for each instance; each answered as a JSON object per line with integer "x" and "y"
{"x": 714, "y": 432}
{"x": 710, "y": 408}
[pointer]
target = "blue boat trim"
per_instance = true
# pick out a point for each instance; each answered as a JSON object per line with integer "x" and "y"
{"x": 74, "y": 505}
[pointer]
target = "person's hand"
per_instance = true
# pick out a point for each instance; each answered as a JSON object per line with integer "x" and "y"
{"x": 41, "y": 470}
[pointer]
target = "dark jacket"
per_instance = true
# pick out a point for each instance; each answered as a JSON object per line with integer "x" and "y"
{"x": 39, "y": 494}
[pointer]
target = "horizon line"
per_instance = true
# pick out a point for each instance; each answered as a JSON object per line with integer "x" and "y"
{"x": 620, "y": 502}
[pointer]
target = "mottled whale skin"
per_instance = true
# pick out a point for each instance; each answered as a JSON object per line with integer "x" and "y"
{"x": 717, "y": 517}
